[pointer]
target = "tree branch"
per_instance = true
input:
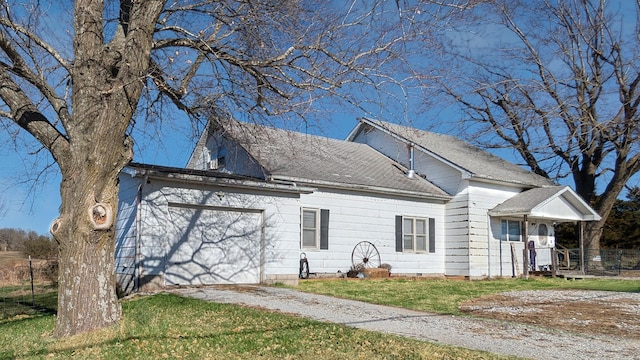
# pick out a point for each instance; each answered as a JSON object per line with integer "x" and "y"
{"x": 27, "y": 116}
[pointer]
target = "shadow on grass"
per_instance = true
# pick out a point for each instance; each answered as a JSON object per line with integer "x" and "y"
{"x": 158, "y": 339}
{"x": 16, "y": 305}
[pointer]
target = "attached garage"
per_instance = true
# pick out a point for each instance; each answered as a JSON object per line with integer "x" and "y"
{"x": 179, "y": 227}
{"x": 210, "y": 245}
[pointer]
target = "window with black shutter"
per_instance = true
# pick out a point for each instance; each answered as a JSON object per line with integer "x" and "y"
{"x": 415, "y": 234}
{"x": 315, "y": 229}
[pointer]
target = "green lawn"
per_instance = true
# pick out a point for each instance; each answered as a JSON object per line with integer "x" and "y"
{"x": 17, "y": 300}
{"x": 444, "y": 296}
{"x": 168, "y": 326}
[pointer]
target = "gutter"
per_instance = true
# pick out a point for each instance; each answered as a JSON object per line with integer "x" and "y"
{"x": 224, "y": 182}
{"x": 519, "y": 213}
{"x": 488, "y": 180}
{"x": 364, "y": 188}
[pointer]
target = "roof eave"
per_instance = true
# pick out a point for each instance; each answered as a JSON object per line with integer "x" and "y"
{"x": 354, "y": 132}
{"x": 588, "y": 214}
{"x": 533, "y": 215}
{"x": 488, "y": 180}
{"x": 357, "y": 187}
{"x": 216, "y": 180}
{"x": 515, "y": 213}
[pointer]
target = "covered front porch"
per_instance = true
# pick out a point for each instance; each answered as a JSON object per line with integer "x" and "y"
{"x": 524, "y": 226}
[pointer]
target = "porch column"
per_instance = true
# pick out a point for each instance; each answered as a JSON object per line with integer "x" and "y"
{"x": 525, "y": 263}
{"x": 581, "y": 242}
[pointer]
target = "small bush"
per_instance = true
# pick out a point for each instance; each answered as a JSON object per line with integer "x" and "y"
{"x": 50, "y": 271}
{"x": 40, "y": 248}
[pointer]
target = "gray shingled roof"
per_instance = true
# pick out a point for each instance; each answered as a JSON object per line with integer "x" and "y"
{"x": 533, "y": 202}
{"x": 323, "y": 161}
{"x": 477, "y": 162}
{"x": 525, "y": 201}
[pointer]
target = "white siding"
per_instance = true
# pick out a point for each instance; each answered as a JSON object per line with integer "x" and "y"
{"x": 457, "y": 234}
{"x": 558, "y": 208}
{"x": 484, "y": 247}
{"x": 543, "y": 248}
{"x": 237, "y": 161}
{"x": 359, "y": 217}
{"x": 281, "y": 218}
{"x": 501, "y": 250}
{"x": 440, "y": 174}
{"x": 125, "y": 259}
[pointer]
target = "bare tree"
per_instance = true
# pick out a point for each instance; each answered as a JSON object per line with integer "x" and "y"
{"x": 3, "y": 207}
{"x": 79, "y": 76}
{"x": 558, "y": 82}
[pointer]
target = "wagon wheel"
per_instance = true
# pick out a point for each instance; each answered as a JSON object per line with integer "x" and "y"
{"x": 365, "y": 255}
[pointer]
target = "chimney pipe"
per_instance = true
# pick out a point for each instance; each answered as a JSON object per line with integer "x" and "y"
{"x": 411, "y": 171}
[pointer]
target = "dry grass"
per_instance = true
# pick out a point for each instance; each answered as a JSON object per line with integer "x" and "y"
{"x": 168, "y": 326}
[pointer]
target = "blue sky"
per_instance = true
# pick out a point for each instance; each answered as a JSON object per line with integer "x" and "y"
{"x": 31, "y": 206}
{"x": 34, "y": 206}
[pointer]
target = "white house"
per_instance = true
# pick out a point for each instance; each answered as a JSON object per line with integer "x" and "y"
{"x": 252, "y": 200}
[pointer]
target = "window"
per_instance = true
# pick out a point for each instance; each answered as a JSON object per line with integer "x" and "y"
{"x": 543, "y": 234}
{"x": 310, "y": 227}
{"x": 511, "y": 230}
{"x": 221, "y": 158}
{"x": 414, "y": 234}
{"x": 315, "y": 229}
{"x": 217, "y": 160}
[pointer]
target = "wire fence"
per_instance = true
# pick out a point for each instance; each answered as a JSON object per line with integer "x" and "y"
{"x": 612, "y": 262}
{"x": 28, "y": 287}
{"x": 600, "y": 262}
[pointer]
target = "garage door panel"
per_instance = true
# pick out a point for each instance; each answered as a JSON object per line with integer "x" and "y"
{"x": 213, "y": 246}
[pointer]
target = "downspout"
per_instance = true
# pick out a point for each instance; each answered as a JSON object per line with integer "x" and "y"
{"x": 525, "y": 251}
{"x": 489, "y": 245}
{"x": 263, "y": 276}
{"x": 137, "y": 271}
{"x": 581, "y": 242}
{"x": 500, "y": 252}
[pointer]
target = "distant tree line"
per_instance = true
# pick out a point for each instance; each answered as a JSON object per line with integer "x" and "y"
{"x": 29, "y": 243}
{"x": 620, "y": 231}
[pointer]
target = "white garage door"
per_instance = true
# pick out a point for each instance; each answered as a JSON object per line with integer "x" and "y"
{"x": 213, "y": 246}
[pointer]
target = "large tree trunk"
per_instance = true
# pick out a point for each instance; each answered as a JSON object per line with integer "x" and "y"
{"x": 85, "y": 230}
{"x": 107, "y": 82}
{"x": 86, "y": 267}
{"x": 592, "y": 233}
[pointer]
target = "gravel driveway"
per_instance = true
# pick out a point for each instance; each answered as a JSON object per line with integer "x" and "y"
{"x": 507, "y": 338}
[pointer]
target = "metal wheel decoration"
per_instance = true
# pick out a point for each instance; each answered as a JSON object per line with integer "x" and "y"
{"x": 365, "y": 255}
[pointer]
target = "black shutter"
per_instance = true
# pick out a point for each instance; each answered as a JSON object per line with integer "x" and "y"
{"x": 324, "y": 229}
{"x": 399, "y": 233}
{"x": 432, "y": 235}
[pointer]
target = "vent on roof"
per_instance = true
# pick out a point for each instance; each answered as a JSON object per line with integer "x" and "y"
{"x": 411, "y": 173}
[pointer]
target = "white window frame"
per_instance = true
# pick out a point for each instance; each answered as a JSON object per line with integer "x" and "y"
{"x": 221, "y": 157}
{"x": 415, "y": 235}
{"x": 506, "y": 235}
{"x": 316, "y": 229}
